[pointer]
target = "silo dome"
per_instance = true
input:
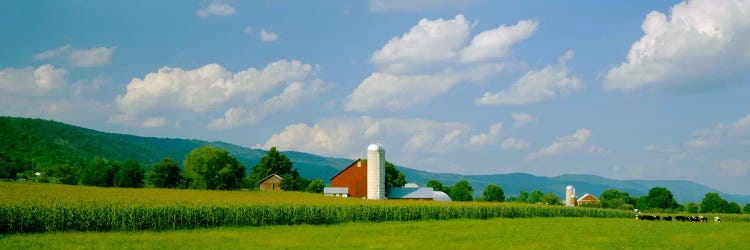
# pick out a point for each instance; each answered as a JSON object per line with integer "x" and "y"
{"x": 375, "y": 147}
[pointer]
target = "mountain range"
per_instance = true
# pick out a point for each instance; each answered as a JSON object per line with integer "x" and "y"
{"x": 46, "y": 141}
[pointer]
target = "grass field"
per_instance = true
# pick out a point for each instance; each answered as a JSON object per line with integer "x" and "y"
{"x": 528, "y": 233}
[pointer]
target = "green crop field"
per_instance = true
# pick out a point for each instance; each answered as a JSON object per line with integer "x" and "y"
{"x": 530, "y": 233}
{"x": 34, "y": 215}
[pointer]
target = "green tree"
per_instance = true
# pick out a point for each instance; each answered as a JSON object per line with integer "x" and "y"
{"x": 692, "y": 207}
{"x": 535, "y": 197}
{"x": 130, "y": 174}
{"x": 613, "y": 198}
{"x": 315, "y": 186}
{"x": 551, "y": 199}
{"x": 164, "y": 174}
{"x": 660, "y": 197}
{"x": 213, "y": 168}
{"x": 746, "y": 209}
{"x": 461, "y": 191}
{"x": 435, "y": 185}
{"x": 713, "y": 203}
{"x": 493, "y": 193}
{"x": 733, "y": 208}
{"x": 393, "y": 177}
{"x": 642, "y": 203}
{"x": 293, "y": 181}
{"x": 99, "y": 172}
{"x": 523, "y": 196}
{"x": 273, "y": 162}
{"x": 62, "y": 174}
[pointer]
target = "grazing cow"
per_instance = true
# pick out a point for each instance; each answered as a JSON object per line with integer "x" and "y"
{"x": 681, "y": 218}
{"x": 717, "y": 220}
{"x": 703, "y": 219}
{"x": 648, "y": 217}
{"x": 667, "y": 218}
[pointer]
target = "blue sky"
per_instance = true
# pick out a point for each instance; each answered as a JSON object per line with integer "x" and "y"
{"x": 620, "y": 89}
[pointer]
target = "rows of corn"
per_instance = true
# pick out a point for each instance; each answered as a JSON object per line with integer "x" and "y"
{"x": 46, "y": 207}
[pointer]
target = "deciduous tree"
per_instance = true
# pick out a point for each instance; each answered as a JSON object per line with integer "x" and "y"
{"x": 493, "y": 193}
{"x": 164, "y": 174}
{"x": 213, "y": 168}
{"x": 130, "y": 174}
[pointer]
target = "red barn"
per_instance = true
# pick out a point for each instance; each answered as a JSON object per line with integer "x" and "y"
{"x": 353, "y": 177}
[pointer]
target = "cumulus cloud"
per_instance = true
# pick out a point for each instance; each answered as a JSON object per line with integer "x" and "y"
{"x": 699, "y": 43}
{"x": 98, "y": 56}
{"x": 346, "y": 136}
{"x": 537, "y": 86}
{"x": 431, "y": 58}
{"x": 268, "y": 36}
{"x": 576, "y": 142}
{"x": 522, "y": 119}
{"x": 721, "y": 134}
{"x": 496, "y": 43}
{"x": 216, "y": 8}
{"x": 200, "y": 93}
{"x": 487, "y": 138}
{"x": 413, "y": 5}
{"x": 514, "y": 144}
{"x": 45, "y": 80}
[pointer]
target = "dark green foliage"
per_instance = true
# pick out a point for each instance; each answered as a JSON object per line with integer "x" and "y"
{"x": 661, "y": 198}
{"x": 315, "y": 186}
{"x": 99, "y": 172}
{"x": 461, "y": 191}
{"x": 535, "y": 197}
{"x": 293, "y": 181}
{"x": 523, "y": 196}
{"x": 613, "y": 198}
{"x": 642, "y": 203}
{"x": 713, "y": 203}
{"x": 164, "y": 174}
{"x": 272, "y": 163}
{"x": 213, "y": 168}
{"x": 493, "y": 193}
{"x": 130, "y": 174}
{"x": 61, "y": 173}
{"x": 551, "y": 199}
{"x": 435, "y": 185}
{"x": 746, "y": 209}
{"x": 692, "y": 207}
{"x": 393, "y": 177}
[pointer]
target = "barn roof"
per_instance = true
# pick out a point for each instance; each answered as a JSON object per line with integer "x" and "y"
{"x": 269, "y": 177}
{"x": 587, "y": 197}
{"x": 411, "y": 193}
{"x": 350, "y": 165}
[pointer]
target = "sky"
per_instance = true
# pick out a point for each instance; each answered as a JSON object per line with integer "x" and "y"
{"x": 654, "y": 90}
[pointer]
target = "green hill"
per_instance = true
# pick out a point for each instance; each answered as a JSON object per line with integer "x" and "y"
{"x": 24, "y": 141}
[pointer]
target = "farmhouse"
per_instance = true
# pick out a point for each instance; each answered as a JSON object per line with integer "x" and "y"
{"x": 587, "y": 198}
{"x": 271, "y": 183}
{"x": 366, "y": 179}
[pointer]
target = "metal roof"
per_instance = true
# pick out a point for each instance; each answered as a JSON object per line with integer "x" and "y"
{"x": 336, "y": 190}
{"x": 410, "y": 193}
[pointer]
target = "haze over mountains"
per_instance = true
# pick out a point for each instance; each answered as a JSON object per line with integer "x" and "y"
{"x": 63, "y": 139}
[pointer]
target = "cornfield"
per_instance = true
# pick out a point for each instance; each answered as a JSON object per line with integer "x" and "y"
{"x": 49, "y": 207}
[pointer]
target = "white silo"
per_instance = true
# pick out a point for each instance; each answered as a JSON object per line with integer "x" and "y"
{"x": 375, "y": 172}
{"x": 570, "y": 194}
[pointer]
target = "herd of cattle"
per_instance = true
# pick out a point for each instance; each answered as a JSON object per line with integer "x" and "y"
{"x": 677, "y": 218}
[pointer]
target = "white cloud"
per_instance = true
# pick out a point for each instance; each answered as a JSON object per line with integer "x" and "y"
{"x": 720, "y": 134}
{"x": 349, "y": 135}
{"x": 496, "y": 43}
{"x": 290, "y": 98}
{"x": 487, "y": 138}
{"x": 45, "y": 80}
{"x": 216, "y": 8}
{"x": 699, "y": 43}
{"x": 514, "y": 144}
{"x": 426, "y": 62}
{"x": 98, "y": 56}
{"x": 537, "y": 86}
{"x": 412, "y": 5}
{"x": 576, "y": 142}
{"x": 268, "y": 36}
{"x": 522, "y": 119}
{"x": 426, "y": 44}
{"x": 199, "y": 93}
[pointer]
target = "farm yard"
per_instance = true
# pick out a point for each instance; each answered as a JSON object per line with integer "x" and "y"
{"x": 34, "y": 215}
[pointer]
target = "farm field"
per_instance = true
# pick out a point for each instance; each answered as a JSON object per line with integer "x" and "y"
{"x": 530, "y": 233}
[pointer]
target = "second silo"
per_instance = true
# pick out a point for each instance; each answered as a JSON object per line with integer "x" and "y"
{"x": 375, "y": 172}
{"x": 570, "y": 196}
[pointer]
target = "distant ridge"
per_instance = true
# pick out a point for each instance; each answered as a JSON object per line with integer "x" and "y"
{"x": 17, "y": 134}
